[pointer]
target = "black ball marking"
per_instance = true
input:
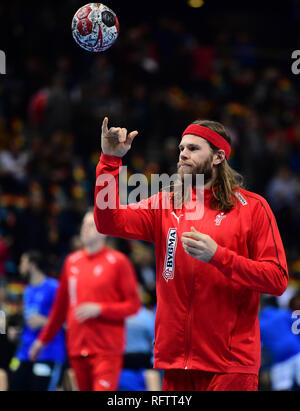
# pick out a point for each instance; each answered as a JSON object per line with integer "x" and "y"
{"x": 108, "y": 18}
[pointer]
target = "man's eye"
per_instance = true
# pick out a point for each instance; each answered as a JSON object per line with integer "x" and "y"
{"x": 191, "y": 148}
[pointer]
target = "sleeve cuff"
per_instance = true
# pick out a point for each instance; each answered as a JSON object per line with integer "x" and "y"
{"x": 103, "y": 309}
{"x": 221, "y": 260}
{"x": 113, "y": 160}
{"x": 216, "y": 261}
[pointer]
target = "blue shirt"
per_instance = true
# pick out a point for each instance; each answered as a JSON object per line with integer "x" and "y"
{"x": 277, "y": 338}
{"x": 38, "y": 299}
{"x": 139, "y": 339}
{"x": 140, "y": 332}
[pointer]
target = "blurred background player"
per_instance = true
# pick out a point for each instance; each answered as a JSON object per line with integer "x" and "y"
{"x": 97, "y": 291}
{"x": 137, "y": 373}
{"x": 280, "y": 344}
{"x": 44, "y": 374}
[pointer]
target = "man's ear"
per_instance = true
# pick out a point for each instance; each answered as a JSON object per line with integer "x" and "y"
{"x": 218, "y": 157}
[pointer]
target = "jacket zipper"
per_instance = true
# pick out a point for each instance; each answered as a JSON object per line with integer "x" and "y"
{"x": 188, "y": 327}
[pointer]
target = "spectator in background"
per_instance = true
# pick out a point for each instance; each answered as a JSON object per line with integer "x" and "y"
{"x": 32, "y": 224}
{"x": 11, "y": 303}
{"x": 45, "y": 373}
{"x": 6, "y": 348}
{"x": 281, "y": 344}
{"x": 139, "y": 351}
{"x": 98, "y": 290}
{"x": 245, "y": 49}
{"x": 283, "y": 190}
{"x": 57, "y": 109}
{"x": 13, "y": 167}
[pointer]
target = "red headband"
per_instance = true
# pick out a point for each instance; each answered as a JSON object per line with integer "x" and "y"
{"x": 210, "y": 136}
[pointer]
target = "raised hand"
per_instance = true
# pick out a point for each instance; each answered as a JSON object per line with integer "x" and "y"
{"x": 115, "y": 141}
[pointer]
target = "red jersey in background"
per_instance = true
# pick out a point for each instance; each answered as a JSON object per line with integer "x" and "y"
{"x": 107, "y": 278}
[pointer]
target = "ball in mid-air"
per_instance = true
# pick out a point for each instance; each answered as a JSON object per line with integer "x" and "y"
{"x": 95, "y": 27}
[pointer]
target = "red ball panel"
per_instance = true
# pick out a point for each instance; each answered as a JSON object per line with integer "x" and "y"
{"x": 84, "y": 12}
{"x": 85, "y": 27}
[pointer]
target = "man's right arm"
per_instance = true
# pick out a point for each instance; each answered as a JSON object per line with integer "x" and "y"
{"x": 111, "y": 218}
{"x": 124, "y": 222}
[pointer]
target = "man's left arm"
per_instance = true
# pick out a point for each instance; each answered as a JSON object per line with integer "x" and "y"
{"x": 265, "y": 271}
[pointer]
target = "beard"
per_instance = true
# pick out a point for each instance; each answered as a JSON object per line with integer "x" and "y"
{"x": 205, "y": 169}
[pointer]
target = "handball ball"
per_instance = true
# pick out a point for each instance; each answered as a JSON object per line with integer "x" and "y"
{"x": 95, "y": 27}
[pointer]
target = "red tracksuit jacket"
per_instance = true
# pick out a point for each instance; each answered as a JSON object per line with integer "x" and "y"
{"x": 207, "y": 312}
{"x": 107, "y": 278}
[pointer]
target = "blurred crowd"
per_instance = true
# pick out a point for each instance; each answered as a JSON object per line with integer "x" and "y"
{"x": 156, "y": 79}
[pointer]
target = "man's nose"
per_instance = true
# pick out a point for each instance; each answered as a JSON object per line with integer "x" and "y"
{"x": 184, "y": 154}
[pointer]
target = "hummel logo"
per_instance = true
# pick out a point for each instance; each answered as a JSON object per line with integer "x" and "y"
{"x": 219, "y": 218}
{"x": 177, "y": 218}
{"x": 241, "y": 198}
